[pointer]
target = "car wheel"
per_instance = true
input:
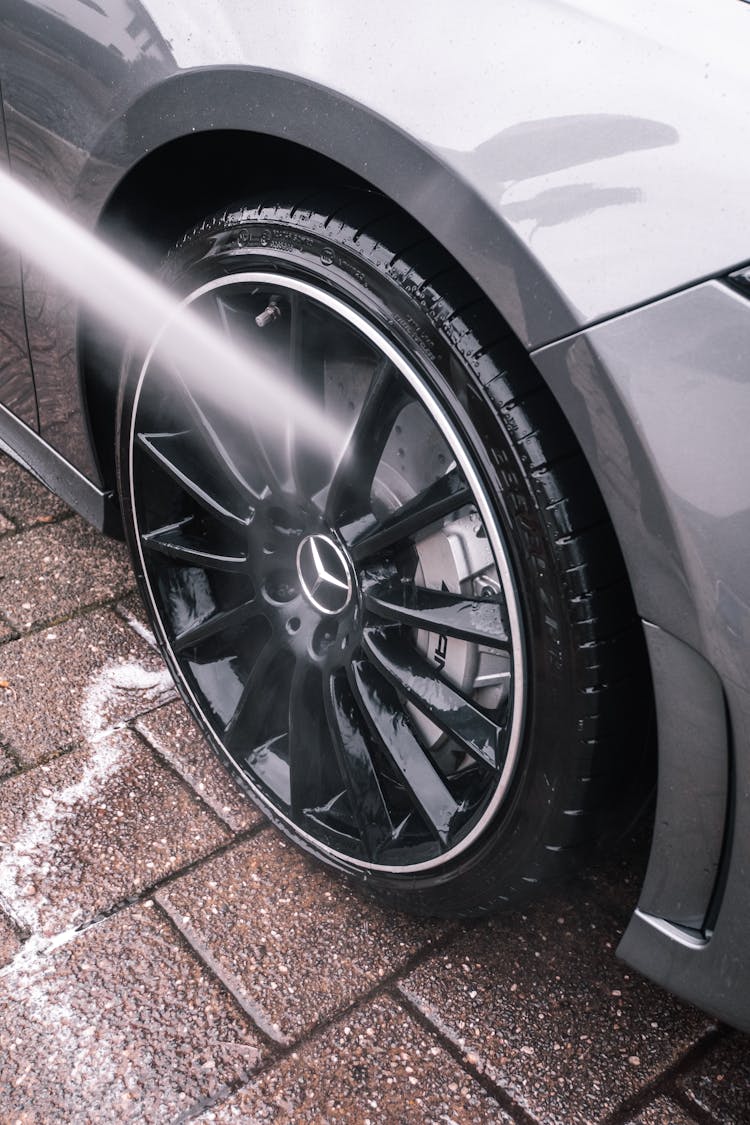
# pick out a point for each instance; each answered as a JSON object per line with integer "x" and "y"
{"x": 419, "y": 655}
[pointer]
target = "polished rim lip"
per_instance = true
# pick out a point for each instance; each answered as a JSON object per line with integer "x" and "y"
{"x": 345, "y": 569}
{"x": 353, "y": 317}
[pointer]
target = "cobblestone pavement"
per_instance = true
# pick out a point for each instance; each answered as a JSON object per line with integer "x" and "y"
{"x": 167, "y": 957}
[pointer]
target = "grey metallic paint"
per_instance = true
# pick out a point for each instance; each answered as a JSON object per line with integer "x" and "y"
{"x": 578, "y": 160}
{"x": 524, "y": 137}
{"x": 660, "y": 401}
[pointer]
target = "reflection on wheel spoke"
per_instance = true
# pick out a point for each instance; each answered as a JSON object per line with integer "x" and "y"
{"x": 447, "y": 494}
{"x": 309, "y": 466}
{"x": 219, "y": 622}
{"x": 443, "y": 704}
{"x": 350, "y": 489}
{"x": 305, "y": 764}
{"x": 471, "y": 619}
{"x": 210, "y": 440}
{"x": 243, "y": 730}
{"x": 357, "y": 767}
{"x": 169, "y": 452}
{"x": 174, "y": 540}
{"x": 389, "y": 724}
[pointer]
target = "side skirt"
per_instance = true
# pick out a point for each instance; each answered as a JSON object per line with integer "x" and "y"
{"x": 58, "y": 475}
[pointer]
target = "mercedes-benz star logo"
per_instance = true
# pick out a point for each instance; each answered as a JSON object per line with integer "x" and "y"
{"x": 324, "y": 574}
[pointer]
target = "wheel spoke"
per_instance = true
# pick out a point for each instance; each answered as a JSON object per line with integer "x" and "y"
{"x": 309, "y": 465}
{"x": 350, "y": 487}
{"x": 411, "y": 674}
{"x": 357, "y": 768}
{"x": 218, "y": 622}
{"x": 369, "y": 536}
{"x": 389, "y": 724}
{"x": 213, "y": 444}
{"x": 242, "y": 731}
{"x": 242, "y": 333}
{"x": 439, "y": 611}
{"x": 169, "y": 453}
{"x": 171, "y": 540}
{"x": 223, "y": 314}
{"x": 305, "y": 766}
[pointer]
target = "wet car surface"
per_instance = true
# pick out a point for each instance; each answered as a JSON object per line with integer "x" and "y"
{"x": 166, "y": 956}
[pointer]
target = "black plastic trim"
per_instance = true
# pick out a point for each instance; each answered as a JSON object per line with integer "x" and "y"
{"x": 32, "y": 452}
{"x": 741, "y": 279}
{"x": 693, "y": 785}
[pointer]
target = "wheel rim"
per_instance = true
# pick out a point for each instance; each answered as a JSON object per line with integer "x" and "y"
{"x": 347, "y": 628}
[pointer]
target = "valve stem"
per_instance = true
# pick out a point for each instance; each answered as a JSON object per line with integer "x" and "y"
{"x": 270, "y": 313}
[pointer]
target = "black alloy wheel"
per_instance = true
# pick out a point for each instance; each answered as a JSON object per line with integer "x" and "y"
{"x": 380, "y": 638}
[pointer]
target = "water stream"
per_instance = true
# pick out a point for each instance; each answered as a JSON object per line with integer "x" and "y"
{"x": 139, "y": 310}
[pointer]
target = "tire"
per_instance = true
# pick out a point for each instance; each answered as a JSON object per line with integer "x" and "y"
{"x": 420, "y": 656}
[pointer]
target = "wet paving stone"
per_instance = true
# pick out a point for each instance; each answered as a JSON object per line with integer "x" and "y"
{"x": 119, "y": 1024}
{"x": 125, "y": 1021}
{"x": 539, "y": 1002}
{"x": 6, "y": 631}
{"x": 720, "y": 1085}
{"x": 173, "y": 733}
{"x": 375, "y": 1066}
{"x": 662, "y": 1111}
{"x": 67, "y": 682}
{"x": 7, "y": 763}
{"x": 50, "y": 572}
{"x": 93, "y": 828}
{"x": 293, "y": 944}
{"x": 9, "y": 942}
{"x": 131, "y": 609}
{"x": 23, "y": 499}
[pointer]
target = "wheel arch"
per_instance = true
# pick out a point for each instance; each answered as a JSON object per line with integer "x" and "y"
{"x": 149, "y": 210}
{"x": 199, "y": 140}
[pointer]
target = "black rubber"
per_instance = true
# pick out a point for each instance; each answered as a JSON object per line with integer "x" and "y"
{"x": 588, "y": 697}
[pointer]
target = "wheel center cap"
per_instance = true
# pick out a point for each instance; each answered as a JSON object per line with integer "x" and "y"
{"x": 324, "y": 574}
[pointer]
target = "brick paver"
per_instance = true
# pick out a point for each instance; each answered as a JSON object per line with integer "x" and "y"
{"x": 93, "y": 828}
{"x": 541, "y": 1004}
{"x": 173, "y": 733}
{"x": 9, "y": 941}
{"x": 662, "y": 1111}
{"x": 52, "y": 571}
{"x": 119, "y": 1024}
{"x": 8, "y": 763}
{"x": 377, "y": 1066}
{"x": 721, "y": 1083}
{"x": 165, "y": 956}
{"x": 294, "y": 945}
{"x": 68, "y": 682}
{"x": 24, "y": 500}
{"x": 6, "y": 631}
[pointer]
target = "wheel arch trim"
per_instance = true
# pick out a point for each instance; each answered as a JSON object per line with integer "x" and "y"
{"x": 269, "y": 103}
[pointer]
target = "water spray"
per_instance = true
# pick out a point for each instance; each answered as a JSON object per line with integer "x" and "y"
{"x": 141, "y": 311}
